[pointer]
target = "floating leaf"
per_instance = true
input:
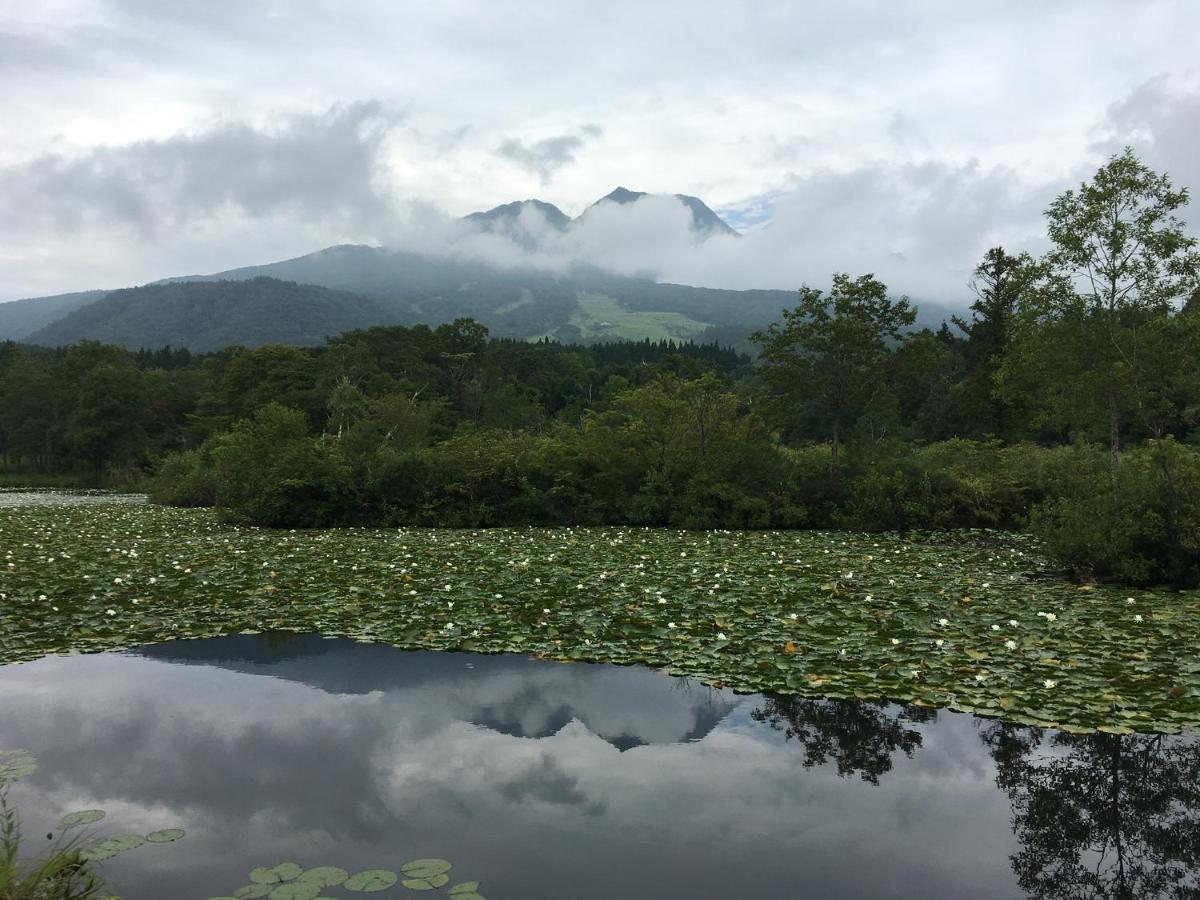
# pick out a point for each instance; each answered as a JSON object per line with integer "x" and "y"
{"x": 16, "y": 764}
{"x": 110, "y": 847}
{"x": 425, "y": 884}
{"x": 254, "y": 891}
{"x": 165, "y": 835}
{"x": 324, "y": 876}
{"x": 83, "y": 817}
{"x": 296, "y": 890}
{"x": 371, "y": 880}
{"x": 426, "y": 868}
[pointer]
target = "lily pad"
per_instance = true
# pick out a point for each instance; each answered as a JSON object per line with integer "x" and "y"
{"x": 16, "y": 764}
{"x": 296, "y": 890}
{"x": 425, "y": 884}
{"x": 165, "y": 835}
{"x": 253, "y": 891}
{"x": 426, "y": 868}
{"x": 83, "y": 817}
{"x": 370, "y": 880}
{"x": 324, "y": 876}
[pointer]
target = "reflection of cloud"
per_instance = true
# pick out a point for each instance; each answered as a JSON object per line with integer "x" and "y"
{"x": 260, "y": 769}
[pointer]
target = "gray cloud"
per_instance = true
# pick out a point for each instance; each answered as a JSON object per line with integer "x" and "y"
{"x": 323, "y": 166}
{"x": 1162, "y": 123}
{"x": 547, "y": 156}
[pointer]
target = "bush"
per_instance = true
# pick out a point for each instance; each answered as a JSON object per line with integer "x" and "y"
{"x": 185, "y": 479}
{"x": 1142, "y": 527}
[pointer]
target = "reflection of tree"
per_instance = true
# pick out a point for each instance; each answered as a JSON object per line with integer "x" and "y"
{"x": 859, "y": 737}
{"x": 1101, "y": 816}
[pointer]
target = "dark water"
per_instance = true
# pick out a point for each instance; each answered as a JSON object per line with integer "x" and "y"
{"x": 545, "y": 780}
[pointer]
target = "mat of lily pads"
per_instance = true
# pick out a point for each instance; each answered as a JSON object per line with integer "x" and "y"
{"x": 970, "y": 621}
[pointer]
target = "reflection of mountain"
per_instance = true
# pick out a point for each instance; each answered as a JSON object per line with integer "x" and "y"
{"x": 1101, "y": 815}
{"x": 511, "y": 694}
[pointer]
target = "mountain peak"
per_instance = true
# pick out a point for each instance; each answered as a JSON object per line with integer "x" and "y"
{"x": 704, "y": 221}
{"x": 506, "y": 213}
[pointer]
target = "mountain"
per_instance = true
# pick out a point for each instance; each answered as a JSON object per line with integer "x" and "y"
{"x": 705, "y": 222}
{"x": 584, "y": 304}
{"x": 20, "y": 318}
{"x": 210, "y": 315}
{"x": 506, "y": 215}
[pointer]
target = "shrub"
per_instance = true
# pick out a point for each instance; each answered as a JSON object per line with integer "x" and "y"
{"x": 1141, "y": 526}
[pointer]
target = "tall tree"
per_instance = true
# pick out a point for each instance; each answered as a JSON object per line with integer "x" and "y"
{"x": 997, "y": 284}
{"x": 1121, "y": 259}
{"x": 825, "y": 358}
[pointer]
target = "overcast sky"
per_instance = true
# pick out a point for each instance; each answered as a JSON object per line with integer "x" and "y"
{"x": 146, "y": 138}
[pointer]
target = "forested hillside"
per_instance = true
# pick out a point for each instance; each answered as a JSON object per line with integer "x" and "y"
{"x": 205, "y": 316}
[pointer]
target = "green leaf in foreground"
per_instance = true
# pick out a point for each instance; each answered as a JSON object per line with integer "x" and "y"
{"x": 82, "y": 817}
{"x": 165, "y": 835}
{"x": 370, "y": 880}
{"x": 324, "y": 876}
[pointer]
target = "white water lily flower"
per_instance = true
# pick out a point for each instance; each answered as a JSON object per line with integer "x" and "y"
{"x": 110, "y": 612}
{"x": 670, "y": 624}
{"x": 995, "y": 628}
{"x": 1011, "y": 645}
{"x": 943, "y": 622}
{"x": 939, "y": 642}
{"x": 1050, "y": 617}
{"x": 1013, "y": 622}
{"x": 1050, "y": 682}
{"x": 1138, "y": 619}
{"x": 895, "y": 641}
{"x": 981, "y": 677}
{"x": 722, "y": 636}
{"x": 1130, "y": 600}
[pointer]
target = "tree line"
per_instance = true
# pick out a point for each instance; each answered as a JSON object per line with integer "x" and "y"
{"x": 1066, "y": 399}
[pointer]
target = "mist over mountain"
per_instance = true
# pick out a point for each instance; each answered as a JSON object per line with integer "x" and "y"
{"x": 512, "y": 268}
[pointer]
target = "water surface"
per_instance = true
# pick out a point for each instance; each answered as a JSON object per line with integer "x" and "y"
{"x": 542, "y": 779}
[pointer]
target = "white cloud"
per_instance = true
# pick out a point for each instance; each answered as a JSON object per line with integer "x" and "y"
{"x": 900, "y": 138}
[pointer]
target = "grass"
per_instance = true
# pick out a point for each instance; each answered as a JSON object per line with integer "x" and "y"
{"x": 600, "y": 317}
{"x": 966, "y": 621}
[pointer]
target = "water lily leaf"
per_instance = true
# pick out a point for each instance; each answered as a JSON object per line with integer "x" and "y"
{"x": 426, "y": 868}
{"x": 324, "y": 876}
{"x": 264, "y": 875}
{"x": 254, "y": 891}
{"x": 371, "y": 880}
{"x": 425, "y": 884}
{"x": 296, "y": 890}
{"x": 16, "y": 764}
{"x": 466, "y": 890}
{"x": 83, "y": 817}
{"x": 110, "y": 847}
{"x": 165, "y": 835}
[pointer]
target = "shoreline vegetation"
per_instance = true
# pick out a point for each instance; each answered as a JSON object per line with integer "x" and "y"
{"x": 1067, "y": 403}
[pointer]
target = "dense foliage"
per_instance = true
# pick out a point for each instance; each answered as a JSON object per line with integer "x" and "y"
{"x": 1068, "y": 398}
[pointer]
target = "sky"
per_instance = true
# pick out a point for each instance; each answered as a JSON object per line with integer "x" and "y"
{"x": 149, "y": 138}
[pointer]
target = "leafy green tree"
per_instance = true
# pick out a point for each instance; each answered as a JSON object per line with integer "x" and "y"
{"x": 826, "y": 358}
{"x": 997, "y": 283}
{"x": 1121, "y": 260}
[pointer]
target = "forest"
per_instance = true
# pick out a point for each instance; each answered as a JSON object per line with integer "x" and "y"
{"x": 1066, "y": 400}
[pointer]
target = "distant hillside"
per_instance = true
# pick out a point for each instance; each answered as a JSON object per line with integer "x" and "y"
{"x": 20, "y": 318}
{"x": 214, "y": 314}
{"x": 584, "y": 305}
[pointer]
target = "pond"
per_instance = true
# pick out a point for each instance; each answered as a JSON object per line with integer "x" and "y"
{"x": 542, "y": 779}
